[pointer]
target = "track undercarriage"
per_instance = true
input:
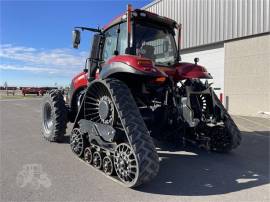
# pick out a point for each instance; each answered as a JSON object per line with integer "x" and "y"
{"x": 110, "y": 133}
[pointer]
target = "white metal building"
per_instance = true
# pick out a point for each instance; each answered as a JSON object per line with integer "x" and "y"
{"x": 232, "y": 40}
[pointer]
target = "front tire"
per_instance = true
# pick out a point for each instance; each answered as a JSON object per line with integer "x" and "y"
{"x": 54, "y": 116}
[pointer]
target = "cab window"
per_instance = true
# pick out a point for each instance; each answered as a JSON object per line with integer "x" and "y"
{"x": 110, "y": 43}
{"x": 122, "y": 40}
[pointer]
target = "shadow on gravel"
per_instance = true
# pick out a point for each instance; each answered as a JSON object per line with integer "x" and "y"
{"x": 192, "y": 172}
{"x": 66, "y": 140}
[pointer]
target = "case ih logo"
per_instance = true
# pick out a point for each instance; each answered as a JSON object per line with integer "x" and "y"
{"x": 33, "y": 176}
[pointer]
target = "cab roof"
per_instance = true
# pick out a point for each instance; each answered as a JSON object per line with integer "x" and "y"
{"x": 139, "y": 14}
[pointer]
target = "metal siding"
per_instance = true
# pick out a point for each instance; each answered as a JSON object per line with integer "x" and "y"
{"x": 204, "y": 16}
{"x": 260, "y": 16}
{"x": 246, "y": 18}
{"x": 191, "y": 25}
{"x": 213, "y": 14}
{"x": 201, "y": 23}
{"x": 266, "y": 8}
{"x": 187, "y": 24}
{"x": 255, "y": 13}
{"x": 194, "y": 38}
{"x": 222, "y": 24}
{"x": 250, "y": 16}
{"x": 235, "y": 19}
{"x": 198, "y": 23}
{"x": 239, "y": 18}
{"x": 210, "y": 21}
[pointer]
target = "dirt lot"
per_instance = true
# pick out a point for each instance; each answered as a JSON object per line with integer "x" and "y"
{"x": 35, "y": 170}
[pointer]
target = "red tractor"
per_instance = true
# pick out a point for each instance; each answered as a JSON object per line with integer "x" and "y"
{"x": 135, "y": 88}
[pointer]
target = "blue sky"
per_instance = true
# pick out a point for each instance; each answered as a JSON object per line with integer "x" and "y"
{"x": 35, "y": 38}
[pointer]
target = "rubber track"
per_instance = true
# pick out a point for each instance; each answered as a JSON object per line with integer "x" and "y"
{"x": 136, "y": 130}
{"x": 59, "y": 114}
{"x": 230, "y": 126}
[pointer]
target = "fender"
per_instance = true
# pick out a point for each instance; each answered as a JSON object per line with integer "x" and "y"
{"x": 184, "y": 70}
{"x": 130, "y": 64}
{"x": 80, "y": 80}
{"x": 187, "y": 70}
{"x": 78, "y": 83}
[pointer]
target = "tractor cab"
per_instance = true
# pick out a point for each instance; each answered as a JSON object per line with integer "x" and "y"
{"x": 146, "y": 38}
{"x": 155, "y": 41}
{"x": 138, "y": 34}
{"x": 145, "y": 34}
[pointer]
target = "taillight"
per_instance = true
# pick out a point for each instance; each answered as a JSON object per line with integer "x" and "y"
{"x": 159, "y": 80}
{"x": 146, "y": 64}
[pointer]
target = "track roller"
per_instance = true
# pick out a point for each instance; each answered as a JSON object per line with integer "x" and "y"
{"x": 88, "y": 155}
{"x": 108, "y": 165}
{"x": 97, "y": 160}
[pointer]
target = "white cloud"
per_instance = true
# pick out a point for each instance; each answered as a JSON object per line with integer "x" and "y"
{"x": 29, "y": 68}
{"x": 41, "y": 60}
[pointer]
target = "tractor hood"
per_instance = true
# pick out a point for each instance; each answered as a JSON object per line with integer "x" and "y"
{"x": 185, "y": 70}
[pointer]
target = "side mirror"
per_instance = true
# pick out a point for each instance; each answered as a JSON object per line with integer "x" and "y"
{"x": 76, "y": 38}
